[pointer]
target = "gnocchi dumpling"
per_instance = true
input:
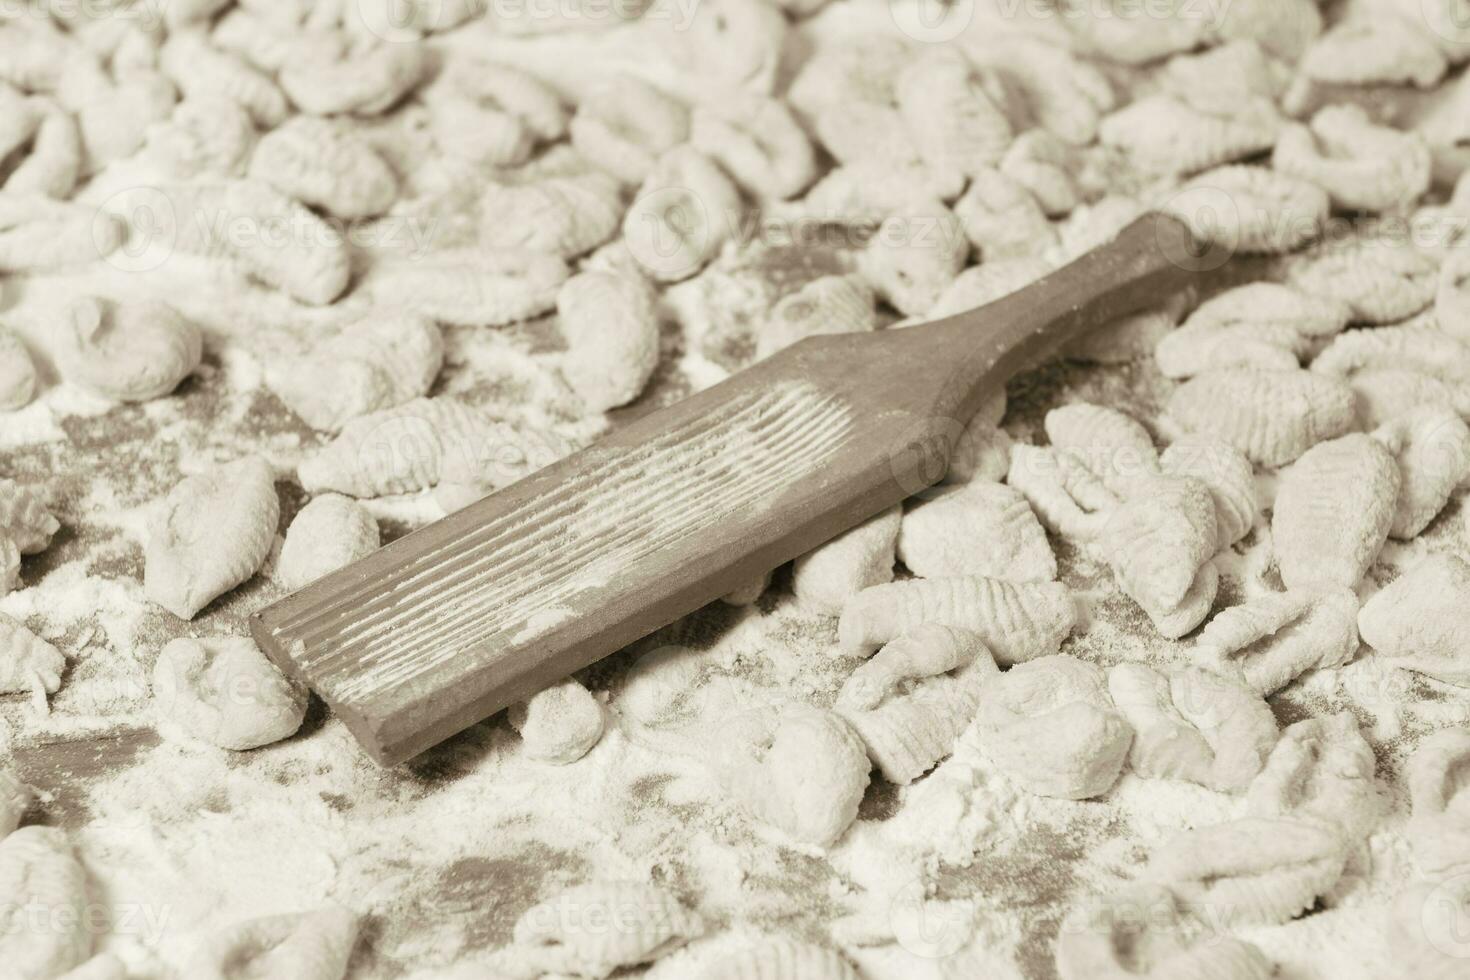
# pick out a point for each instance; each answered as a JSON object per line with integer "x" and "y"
{"x": 1050, "y": 725}
{"x": 131, "y": 351}
{"x": 1321, "y": 770}
{"x": 1439, "y": 821}
{"x": 1270, "y": 640}
{"x": 330, "y": 532}
{"x": 1419, "y": 620}
{"x": 313, "y": 945}
{"x": 611, "y": 328}
{"x": 685, "y": 211}
{"x": 212, "y": 532}
{"x": 826, "y": 577}
{"x": 27, "y": 662}
{"x": 594, "y": 929}
{"x": 223, "y": 690}
{"x": 1271, "y": 416}
{"x": 24, "y": 518}
{"x": 559, "y": 724}
{"x": 17, "y": 372}
{"x": 38, "y": 869}
{"x": 1432, "y": 447}
{"x": 975, "y": 528}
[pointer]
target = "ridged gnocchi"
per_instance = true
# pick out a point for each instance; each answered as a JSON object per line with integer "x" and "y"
{"x": 558, "y": 725}
{"x": 684, "y": 212}
{"x": 1068, "y": 498}
{"x": 758, "y": 142}
{"x": 623, "y": 125}
{"x": 360, "y": 80}
{"x": 212, "y": 532}
{"x": 323, "y": 163}
{"x": 1018, "y": 621}
{"x": 1271, "y": 416}
{"x": 1418, "y": 620}
{"x": 829, "y": 304}
{"x": 38, "y": 234}
{"x": 826, "y": 577}
{"x": 1270, "y": 640}
{"x": 1334, "y": 507}
{"x": 1193, "y": 725}
{"x": 954, "y": 112}
{"x": 1166, "y": 135}
{"x": 611, "y": 328}
{"x": 1251, "y": 210}
{"x": 1379, "y": 282}
{"x": 330, "y": 532}
{"x": 1321, "y": 770}
{"x": 1226, "y": 473}
{"x": 223, "y": 690}
{"x": 1001, "y": 218}
{"x": 591, "y": 930}
{"x": 1158, "y": 542}
{"x": 314, "y": 945}
{"x": 201, "y": 70}
{"x": 1050, "y": 725}
{"x": 566, "y": 216}
{"x": 396, "y": 450}
{"x": 374, "y": 363}
{"x": 470, "y": 286}
{"x": 39, "y": 870}
{"x": 1362, "y": 165}
{"x": 915, "y": 697}
{"x": 1252, "y": 870}
{"x": 1432, "y": 448}
{"x": 915, "y": 255}
{"x": 132, "y": 351}
{"x": 975, "y": 528}
{"x": 781, "y": 959}
{"x": 1114, "y": 446}
{"x": 207, "y": 135}
{"x": 493, "y": 114}
{"x": 798, "y": 768}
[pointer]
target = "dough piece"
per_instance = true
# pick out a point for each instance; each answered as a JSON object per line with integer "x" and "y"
{"x": 1432, "y": 447}
{"x": 861, "y": 68}
{"x": 1321, "y": 770}
{"x": 1193, "y": 349}
{"x": 131, "y": 351}
{"x": 975, "y": 528}
{"x": 223, "y": 690}
{"x": 1419, "y": 620}
{"x": 1250, "y": 871}
{"x": 570, "y": 934}
{"x": 27, "y": 662}
{"x": 1363, "y": 166}
{"x": 558, "y": 725}
{"x": 828, "y": 576}
{"x": 685, "y": 211}
{"x": 469, "y": 287}
{"x": 364, "y": 80}
{"x": 1002, "y": 219}
{"x": 1123, "y": 340}
{"x": 38, "y": 234}
{"x": 374, "y": 363}
{"x": 330, "y": 532}
{"x": 38, "y": 870}
{"x": 1334, "y": 507}
{"x": 1141, "y": 932}
{"x": 1050, "y": 725}
{"x": 1193, "y": 725}
{"x": 24, "y": 518}
{"x": 1018, "y": 621}
{"x": 1380, "y": 282}
{"x": 326, "y": 164}
{"x": 1159, "y": 538}
{"x": 203, "y": 71}
{"x": 399, "y": 450}
{"x": 17, "y": 372}
{"x": 566, "y": 216}
{"x": 611, "y": 328}
{"x": 1175, "y": 621}
{"x": 734, "y": 44}
{"x": 758, "y": 142}
{"x": 1065, "y": 92}
{"x": 1165, "y": 135}
{"x": 914, "y": 698}
{"x": 1272, "y": 639}
{"x": 831, "y": 304}
{"x": 15, "y": 799}
{"x": 1439, "y": 822}
{"x": 206, "y": 136}
{"x": 624, "y": 125}
{"x": 312, "y": 945}
{"x": 954, "y": 112}
{"x": 781, "y": 959}
{"x": 1228, "y": 475}
{"x": 987, "y": 282}
{"x": 1271, "y": 416}
{"x": 1274, "y": 304}
{"x": 212, "y": 532}
{"x": 1068, "y": 497}
{"x": 915, "y": 254}
{"x": 1452, "y": 298}
{"x": 800, "y": 769}
{"x": 982, "y": 453}
{"x": 1109, "y": 443}
{"x": 1046, "y": 165}
{"x": 1425, "y": 349}
{"x": 1386, "y": 394}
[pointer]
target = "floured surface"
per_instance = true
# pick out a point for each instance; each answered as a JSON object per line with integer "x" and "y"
{"x": 445, "y": 853}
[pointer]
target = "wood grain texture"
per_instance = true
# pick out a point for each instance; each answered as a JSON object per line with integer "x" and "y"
{"x": 446, "y": 626}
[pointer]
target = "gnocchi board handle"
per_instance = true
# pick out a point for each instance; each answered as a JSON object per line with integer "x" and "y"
{"x": 457, "y": 620}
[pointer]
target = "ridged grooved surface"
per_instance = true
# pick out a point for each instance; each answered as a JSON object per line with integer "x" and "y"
{"x": 520, "y": 576}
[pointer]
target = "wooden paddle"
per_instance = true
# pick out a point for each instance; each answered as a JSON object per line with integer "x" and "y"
{"x": 452, "y": 623}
